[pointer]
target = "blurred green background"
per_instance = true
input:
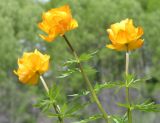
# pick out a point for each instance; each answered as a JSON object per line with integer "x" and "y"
{"x": 19, "y": 33}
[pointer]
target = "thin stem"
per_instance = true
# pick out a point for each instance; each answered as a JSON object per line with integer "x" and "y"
{"x": 55, "y": 106}
{"x": 127, "y": 63}
{"x": 93, "y": 93}
{"x": 44, "y": 84}
{"x": 129, "y": 113}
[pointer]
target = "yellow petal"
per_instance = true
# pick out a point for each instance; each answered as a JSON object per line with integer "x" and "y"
{"x": 135, "y": 44}
{"x": 125, "y": 36}
{"x": 25, "y": 75}
{"x": 73, "y": 24}
{"x": 31, "y": 65}
{"x": 140, "y": 32}
{"x": 47, "y": 38}
{"x": 65, "y": 8}
{"x": 111, "y": 35}
{"x": 121, "y": 37}
{"x": 15, "y": 72}
{"x": 33, "y": 80}
{"x": 119, "y": 26}
{"x": 110, "y": 46}
{"x": 129, "y": 27}
{"x": 57, "y": 22}
{"x": 44, "y": 27}
{"x": 118, "y": 47}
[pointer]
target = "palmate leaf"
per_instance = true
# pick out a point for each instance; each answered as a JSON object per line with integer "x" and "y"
{"x": 123, "y": 105}
{"x": 89, "y": 69}
{"x": 82, "y": 93}
{"x": 82, "y": 58}
{"x": 86, "y": 57}
{"x": 71, "y": 71}
{"x": 147, "y": 106}
{"x": 46, "y": 102}
{"x": 68, "y": 72}
{"x": 132, "y": 82}
{"x": 70, "y": 65}
{"x": 50, "y": 114}
{"x": 99, "y": 87}
{"x": 44, "y": 105}
{"x": 53, "y": 115}
{"x": 119, "y": 119}
{"x": 68, "y": 111}
{"x": 54, "y": 92}
{"x": 91, "y": 118}
{"x": 76, "y": 107}
{"x": 70, "y": 62}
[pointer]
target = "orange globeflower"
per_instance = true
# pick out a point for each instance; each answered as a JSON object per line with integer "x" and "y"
{"x": 124, "y": 36}
{"x": 56, "y": 22}
{"x": 31, "y": 66}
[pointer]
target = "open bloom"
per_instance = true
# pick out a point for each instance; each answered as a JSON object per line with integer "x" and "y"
{"x": 124, "y": 36}
{"x": 31, "y": 66}
{"x": 56, "y": 22}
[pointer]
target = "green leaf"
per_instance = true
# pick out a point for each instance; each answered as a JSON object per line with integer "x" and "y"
{"x": 44, "y": 105}
{"x": 86, "y": 56}
{"x": 54, "y": 93}
{"x": 46, "y": 102}
{"x": 119, "y": 119}
{"x": 123, "y": 105}
{"x": 89, "y": 69}
{"x": 91, "y": 118}
{"x": 134, "y": 83}
{"x": 82, "y": 93}
{"x": 50, "y": 114}
{"x": 76, "y": 107}
{"x": 99, "y": 87}
{"x": 147, "y": 106}
{"x": 70, "y": 62}
{"x": 82, "y": 58}
{"x": 67, "y": 73}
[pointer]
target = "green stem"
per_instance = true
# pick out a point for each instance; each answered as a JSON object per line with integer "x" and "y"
{"x": 93, "y": 93}
{"x": 55, "y": 106}
{"x": 129, "y": 112}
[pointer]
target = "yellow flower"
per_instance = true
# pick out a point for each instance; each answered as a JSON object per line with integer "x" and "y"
{"x": 31, "y": 66}
{"x": 124, "y": 36}
{"x": 56, "y": 22}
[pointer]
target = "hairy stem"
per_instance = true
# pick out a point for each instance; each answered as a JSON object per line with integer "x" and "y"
{"x": 129, "y": 113}
{"x": 85, "y": 77}
{"x": 55, "y": 106}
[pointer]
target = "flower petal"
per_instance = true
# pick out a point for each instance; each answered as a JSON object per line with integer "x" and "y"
{"x": 73, "y": 24}
{"x": 31, "y": 65}
{"x": 49, "y": 38}
{"x": 56, "y": 22}
{"x": 121, "y": 37}
{"x": 135, "y": 44}
{"x": 118, "y": 47}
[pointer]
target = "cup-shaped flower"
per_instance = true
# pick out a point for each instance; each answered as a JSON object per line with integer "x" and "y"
{"x": 125, "y": 36}
{"x": 31, "y": 66}
{"x": 56, "y": 22}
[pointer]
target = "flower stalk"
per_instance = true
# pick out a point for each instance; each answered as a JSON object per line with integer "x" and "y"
{"x": 85, "y": 77}
{"x": 55, "y": 106}
{"x": 129, "y": 112}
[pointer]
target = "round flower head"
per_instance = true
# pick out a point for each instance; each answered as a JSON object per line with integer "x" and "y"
{"x": 31, "y": 66}
{"x": 56, "y": 22}
{"x": 124, "y": 36}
